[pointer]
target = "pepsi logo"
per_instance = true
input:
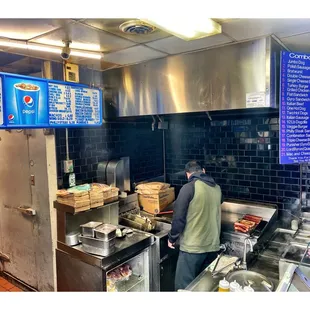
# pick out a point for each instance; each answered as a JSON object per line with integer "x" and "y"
{"x": 28, "y": 101}
{"x": 11, "y": 117}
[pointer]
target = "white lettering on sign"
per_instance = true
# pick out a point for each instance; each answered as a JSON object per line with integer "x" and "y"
{"x": 299, "y": 56}
{"x": 73, "y": 105}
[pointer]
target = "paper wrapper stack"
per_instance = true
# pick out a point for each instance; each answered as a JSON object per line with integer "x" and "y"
{"x": 100, "y": 193}
{"x": 109, "y": 193}
{"x": 96, "y": 194}
{"x": 84, "y": 197}
{"x": 77, "y": 197}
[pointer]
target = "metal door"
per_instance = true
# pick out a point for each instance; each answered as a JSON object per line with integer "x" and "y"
{"x": 16, "y": 229}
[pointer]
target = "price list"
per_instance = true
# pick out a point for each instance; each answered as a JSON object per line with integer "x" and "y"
{"x": 73, "y": 105}
{"x": 294, "y": 108}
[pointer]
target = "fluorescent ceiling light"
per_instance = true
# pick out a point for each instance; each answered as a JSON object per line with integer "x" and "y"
{"x": 186, "y": 28}
{"x": 48, "y": 49}
{"x": 74, "y": 44}
{"x": 85, "y": 54}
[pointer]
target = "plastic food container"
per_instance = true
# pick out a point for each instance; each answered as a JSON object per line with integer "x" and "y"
{"x": 105, "y": 232}
{"x": 234, "y": 286}
{"x": 223, "y": 286}
{"x": 239, "y": 289}
{"x": 248, "y": 289}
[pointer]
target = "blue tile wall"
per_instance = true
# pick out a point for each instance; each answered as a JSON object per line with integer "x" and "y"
{"x": 241, "y": 152}
{"x": 87, "y": 147}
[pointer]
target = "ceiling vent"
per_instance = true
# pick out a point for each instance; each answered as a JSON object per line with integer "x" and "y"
{"x": 137, "y": 27}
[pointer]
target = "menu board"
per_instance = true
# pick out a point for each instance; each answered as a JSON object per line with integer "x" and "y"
{"x": 27, "y": 102}
{"x": 1, "y": 104}
{"x": 294, "y": 108}
{"x": 73, "y": 105}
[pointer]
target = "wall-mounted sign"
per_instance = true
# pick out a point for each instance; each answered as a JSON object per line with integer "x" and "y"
{"x": 39, "y": 103}
{"x": 256, "y": 100}
{"x": 294, "y": 108}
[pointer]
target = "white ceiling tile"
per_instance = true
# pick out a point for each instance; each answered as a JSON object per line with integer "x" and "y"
{"x": 112, "y": 25}
{"x": 133, "y": 55}
{"x": 174, "y": 45}
{"x": 243, "y": 29}
{"x": 35, "y": 54}
{"x": 298, "y": 43}
{"x": 85, "y": 37}
{"x": 25, "y": 29}
{"x": 294, "y": 27}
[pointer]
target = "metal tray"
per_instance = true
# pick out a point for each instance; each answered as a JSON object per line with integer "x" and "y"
{"x": 294, "y": 252}
{"x": 245, "y": 277}
{"x": 302, "y": 237}
{"x": 105, "y": 232}
{"x": 305, "y": 225}
{"x": 97, "y": 246}
{"x": 273, "y": 250}
{"x": 88, "y": 229}
{"x": 283, "y": 236}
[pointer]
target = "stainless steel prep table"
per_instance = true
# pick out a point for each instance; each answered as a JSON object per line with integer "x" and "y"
{"x": 81, "y": 271}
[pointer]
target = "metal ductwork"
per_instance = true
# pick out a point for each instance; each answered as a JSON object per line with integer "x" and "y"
{"x": 237, "y": 76}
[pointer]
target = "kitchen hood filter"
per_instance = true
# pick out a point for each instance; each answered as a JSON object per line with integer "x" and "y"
{"x": 136, "y": 27}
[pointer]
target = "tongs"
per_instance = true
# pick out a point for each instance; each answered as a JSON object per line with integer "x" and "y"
{"x": 236, "y": 263}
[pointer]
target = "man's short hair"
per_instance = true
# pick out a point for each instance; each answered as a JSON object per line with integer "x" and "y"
{"x": 193, "y": 166}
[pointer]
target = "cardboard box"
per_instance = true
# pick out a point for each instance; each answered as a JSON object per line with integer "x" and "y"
{"x": 157, "y": 202}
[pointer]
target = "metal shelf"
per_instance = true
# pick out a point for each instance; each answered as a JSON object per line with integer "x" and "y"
{"x": 125, "y": 286}
{"x": 69, "y": 209}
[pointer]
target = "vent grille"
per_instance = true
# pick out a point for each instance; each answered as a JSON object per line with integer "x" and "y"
{"x": 137, "y": 27}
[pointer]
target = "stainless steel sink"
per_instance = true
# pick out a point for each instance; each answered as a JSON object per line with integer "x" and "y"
{"x": 205, "y": 282}
{"x": 255, "y": 279}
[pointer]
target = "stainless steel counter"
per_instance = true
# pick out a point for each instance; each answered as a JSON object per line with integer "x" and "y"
{"x": 81, "y": 271}
{"x": 271, "y": 261}
{"x": 124, "y": 247}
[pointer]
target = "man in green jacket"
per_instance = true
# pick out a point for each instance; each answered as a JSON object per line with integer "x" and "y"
{"x": 197, "y": 224}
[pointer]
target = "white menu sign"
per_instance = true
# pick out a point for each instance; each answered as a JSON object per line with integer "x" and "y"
{"x": 69, "y": 104}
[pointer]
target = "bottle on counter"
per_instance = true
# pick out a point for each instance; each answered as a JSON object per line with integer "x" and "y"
{"x": 248, "y": 289}
{"x": 234, "y": 286}
{"x": 223, "y": 286}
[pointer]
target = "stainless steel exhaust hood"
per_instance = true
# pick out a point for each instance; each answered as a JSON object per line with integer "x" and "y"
{"x": 237, "y": 76}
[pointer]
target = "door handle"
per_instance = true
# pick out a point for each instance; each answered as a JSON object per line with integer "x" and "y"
{"x": 27, "y": 210}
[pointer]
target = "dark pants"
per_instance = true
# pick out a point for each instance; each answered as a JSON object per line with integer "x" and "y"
{"x": 190, "y": 265}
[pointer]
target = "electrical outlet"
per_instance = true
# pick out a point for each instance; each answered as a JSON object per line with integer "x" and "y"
{"x": 72, "y": 73}
{"x": 68, "y": 166}
{"x": 71, "y": 180}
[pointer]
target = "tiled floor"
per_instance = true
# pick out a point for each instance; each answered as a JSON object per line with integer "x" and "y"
{"x": 6, "y": 286}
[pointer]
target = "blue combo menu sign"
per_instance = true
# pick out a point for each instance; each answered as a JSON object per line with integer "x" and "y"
{"x": 39, "y": 103}
{"x": 295, "y": 108}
